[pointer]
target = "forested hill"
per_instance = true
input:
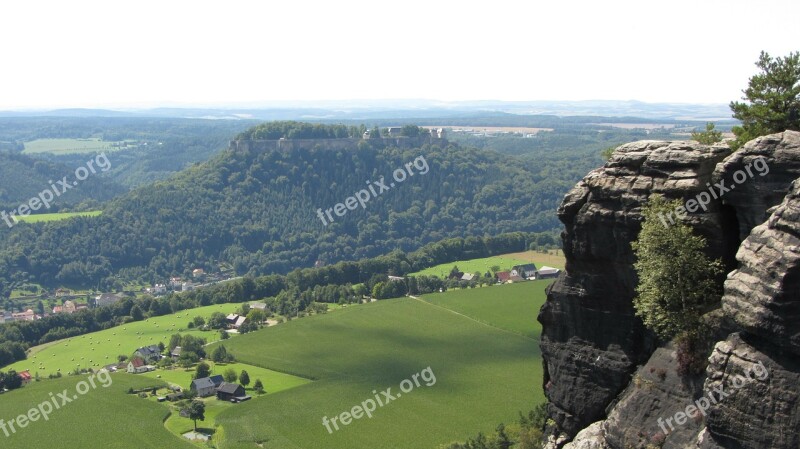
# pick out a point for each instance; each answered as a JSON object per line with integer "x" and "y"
{"x": 24, "y": 177}
{"x": 258, "y": 212}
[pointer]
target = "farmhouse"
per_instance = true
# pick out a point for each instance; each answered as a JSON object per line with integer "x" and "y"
{"x": 503, "y": 276}
{"x": 138, "y": 366}
{"x": 259, "y": 306}
{"x": 527, "y": 271}
{"x": 231, "y": 392}
{"x": 204, "y": 387}
{"x": 547, "y": 272}
{"x": 468, "y": 276}
{"x": 150, "y": 354}
{"x": 107, "y": 299}
{"x": 217, "y": 380}
{"x": 25, "y": 376}
{"x": 175, "y": 353}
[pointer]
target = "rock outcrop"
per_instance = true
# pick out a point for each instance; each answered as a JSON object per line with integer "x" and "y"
{"x": 604, "y": 369}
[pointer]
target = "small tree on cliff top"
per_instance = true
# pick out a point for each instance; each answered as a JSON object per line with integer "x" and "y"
{"x": 773, "y": 99}
{"x": 709, "y": 136}
{"x": 677, "y": 281}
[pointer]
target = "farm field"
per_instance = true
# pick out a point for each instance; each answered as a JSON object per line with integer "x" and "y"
{"x": 70, "y": 146}
{"x": 89, "y": 421}
{"x": 484, "y": 374}
{"x": 41, "y": 218}
{"x": 514, "y": 310}
{"x": 101, "y": 348}
{"x": 505, "y": 262}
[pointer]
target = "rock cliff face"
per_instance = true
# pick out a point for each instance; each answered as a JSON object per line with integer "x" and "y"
{"x": 606, "y": 373}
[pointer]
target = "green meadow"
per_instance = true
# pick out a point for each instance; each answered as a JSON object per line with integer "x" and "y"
{"x": 107, "y": 418}
{"x": 102, "y": 348}
{"x": 70, "y": 146}
{"x": 505, "y": 262}
{"x": 481, "y": 344}
{"x": 42, "y": 218}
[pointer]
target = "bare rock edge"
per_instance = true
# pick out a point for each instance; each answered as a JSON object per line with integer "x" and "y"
{"x": 607, "y": 379}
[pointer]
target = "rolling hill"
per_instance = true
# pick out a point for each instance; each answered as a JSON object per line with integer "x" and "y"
{"x": 260, "y": 212}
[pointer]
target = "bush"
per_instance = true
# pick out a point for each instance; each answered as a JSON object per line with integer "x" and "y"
{"x": 692, "y": 353}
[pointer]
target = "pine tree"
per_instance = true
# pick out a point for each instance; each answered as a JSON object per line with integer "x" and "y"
{"x": 773, "y": 99}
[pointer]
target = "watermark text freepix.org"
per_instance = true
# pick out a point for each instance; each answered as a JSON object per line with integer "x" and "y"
{"x": 55, "y": 402}
{"x": 58, "y": 188}
{"x": 701, "y": 405}
{"x": 368, "y": 406}
{"x": 703, "y": 199}
{"x": 363, "y": 196}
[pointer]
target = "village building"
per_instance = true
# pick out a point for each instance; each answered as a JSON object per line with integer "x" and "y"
{"x": 150, "y": 354}
{"x": 547, "y": 272}
{"x": 107, "y": 299}
{"x": 203, "y": 387}
{"x": 527, "y": 271}
{"x": 231, "y": 392}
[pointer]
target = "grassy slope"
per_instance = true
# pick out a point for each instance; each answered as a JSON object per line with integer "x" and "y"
{"x": 105, "y": 418}
{"x": 515, "y": 310}
{"x": 485, "y": 374}
{"x": 505, "y": 262}
{"x": 103, "y": 347}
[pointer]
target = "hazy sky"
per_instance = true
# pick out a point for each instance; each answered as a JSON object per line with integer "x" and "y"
{"x": 138, "y": 54}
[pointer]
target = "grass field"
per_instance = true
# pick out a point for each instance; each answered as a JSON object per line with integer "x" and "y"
{"x": 102, "y": 418}
{"x": 101, "y": 348}
{"x": 70, "y": 146}
{"x": 41, "y": 218}
{"x": 505, "y": 262}
{"x": 514, "y": 310}
{"x": 479, "y": 344}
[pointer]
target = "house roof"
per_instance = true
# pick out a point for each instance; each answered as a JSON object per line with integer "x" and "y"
{"x": 217, "y": 380}
{"x": 503, "y": 275}
{"x": 137, "y": 362}
{"x": 548, "y": 270}
{"x": 229, "y": 388}
{"x": 176, "y": 352}
{"x": 526, "y": 267}
{"x": 468, "y": 277}
{"x": 202, "y": 383}
{"x": 25, "y": 375}
{"x": 232, "y": 317}
{"x": 148, "y": 351}
{"x": 240, "y": 321}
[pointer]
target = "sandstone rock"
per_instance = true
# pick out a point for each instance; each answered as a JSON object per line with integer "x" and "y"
{"x": 763, "y": 295}
{"x": 591, "y": 437}
{"x": 757, "y": 194}
{"x": 592, "y": 342}
{"x": 591, "y": 339}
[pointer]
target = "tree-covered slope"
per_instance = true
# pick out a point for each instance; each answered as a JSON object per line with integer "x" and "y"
{"x": 23, "y": 177}
{"x": 258, "y": 211}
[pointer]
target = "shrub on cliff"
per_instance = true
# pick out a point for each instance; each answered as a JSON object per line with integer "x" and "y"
{"x": 773, "y": 99}
{"x": 677, "y": 281}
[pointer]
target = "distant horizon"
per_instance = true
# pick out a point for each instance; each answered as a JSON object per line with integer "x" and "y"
{"x": 355, "y": 103}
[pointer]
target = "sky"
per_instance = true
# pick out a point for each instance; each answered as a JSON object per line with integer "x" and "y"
{"x": 80, "y": 53}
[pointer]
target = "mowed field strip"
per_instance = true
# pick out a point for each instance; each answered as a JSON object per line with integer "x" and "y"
{"x": 41, "y": 218}
{"x": 505, "y": 262}
{"x": 69, "y": 146}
